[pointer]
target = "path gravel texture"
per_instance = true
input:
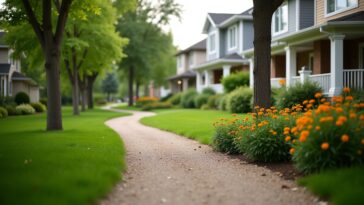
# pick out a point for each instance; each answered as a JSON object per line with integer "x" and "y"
{"x": 165, "y": 168}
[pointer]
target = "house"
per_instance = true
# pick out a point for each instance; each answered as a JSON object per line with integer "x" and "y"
{"x": 186, "y": 60}
{"x": 318, "y": 40}
{"x": 12, "y": 81}
{"x": 228, "y": 36}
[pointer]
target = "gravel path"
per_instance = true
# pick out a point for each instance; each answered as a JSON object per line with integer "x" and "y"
{"x": 164, "y": 168}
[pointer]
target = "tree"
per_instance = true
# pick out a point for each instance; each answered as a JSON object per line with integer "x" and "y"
{"x": 262, "y": 15}
{"x": 110, "y": 85}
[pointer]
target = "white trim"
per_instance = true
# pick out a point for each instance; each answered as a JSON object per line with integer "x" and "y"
{"x": 298, "y": 15}
{"x": 209, "y": 51}
{"x": 361, "y": 53}
{"x": 230, "y": 29}
{"x": 315, "y": 12}
{"x": 241, "y": 37}
{"x": 340, "y": 10}
{"x": 274, "y": 21}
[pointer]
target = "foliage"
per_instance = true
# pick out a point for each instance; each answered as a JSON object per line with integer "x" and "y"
{"x": 21, "y": 98}
{"x": 223, "y": 102}
{"x": 11, "y": 109}
{"x": 167, "y": 97}
{"x": 214, "y": 101}
{"x": 201, "y": 100}
{"x": 223, "y": 139}
{"x": 142, "y": 101}
{"x": 297, "y": 94}
{"x": 208, "y": 91}
{"x": 101, "y": 102}
{"x": 239, "y": 101}
{"x": 188, "y": 99}
{"x": 205, "y": 107}
{"x": 235, "y": 80}
{"x": 44, "y": 101}
{"x": 325, "y": 185}
{"x": 3, "y": 112}
{"x": 6, "y": 101}
{"x": 77, "y": 166}
{"x": 25, "y": 109}
{"x": 331, "y": 136}
{"x": 38, "y": 107}
{"x": 156, "y": 105}
{"x": 175, "y": 99}
{"x": 110, "y": 84}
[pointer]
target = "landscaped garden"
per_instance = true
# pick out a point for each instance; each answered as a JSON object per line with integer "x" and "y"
{"x": 76, "y": 166}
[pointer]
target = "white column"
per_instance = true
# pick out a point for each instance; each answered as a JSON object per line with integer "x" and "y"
{"x": 198, "y": 81}
{"x": 291, "y": 64}
{"x": 5, "y": 86}
{"x": 337, "y": 64}
{"x": 185, "y": 84}
{"x": 207, "y": 78}
{"x": 251, "y": 72}
{"x": 226, "y": 70}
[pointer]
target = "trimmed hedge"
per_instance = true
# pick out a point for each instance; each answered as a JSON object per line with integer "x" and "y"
{"x": 38, "y": 107}
{"x": 21, "y": 98}
{"x": 25, "y": 109}
{"x": 188, "y": 99}
{"x": 235, "y": 80}
{"x": 3, "y": 112}
{"x": 240, "y": 100}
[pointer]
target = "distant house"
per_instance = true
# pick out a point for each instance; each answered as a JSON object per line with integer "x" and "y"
{"x": 186, "y": 60}
{"x": 12, "y": 81}
{"x": 228, "y": 36}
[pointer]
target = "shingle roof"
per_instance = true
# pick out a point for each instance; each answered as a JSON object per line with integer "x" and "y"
{"x": 248, "y": 12}
{"x": 200, "y": 46}
{"x": 187, "y": 74}
{"x": 234, "y": 56}
{"x": 359, "y": 16}
{"x": 4, "y": 68}
{"x": 19, "y": 76}
{"x": 219, "y": 18}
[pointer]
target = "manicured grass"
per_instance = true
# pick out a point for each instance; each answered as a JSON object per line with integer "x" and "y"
{"x": 194, "y": 124}
{"x": 341, "y": 187}
{"x": 75, "y": 166}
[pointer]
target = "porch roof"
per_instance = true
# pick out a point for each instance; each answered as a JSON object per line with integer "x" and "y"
{"x": 359, "y": 16}
{"x": 187, "y": 74}
{"x": 231, "y": 59}
{"x": 21, "y": 77}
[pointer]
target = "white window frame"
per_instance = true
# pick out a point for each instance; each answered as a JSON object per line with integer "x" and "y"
{"x": 229, "y": 36}
{"x": 361, "y": 58}
{"x": 285, "y": 4}
{"x": 191, "y": 59}
{"x": 179, "y": 62}
{"x": 339, "y": 10}
{"x": 212, "y": 34}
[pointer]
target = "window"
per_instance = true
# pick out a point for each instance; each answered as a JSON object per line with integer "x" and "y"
{"x": 190, "y": 59}
{"x": 280, "y": 19}
{"x": 179, "y": 63}
{"x": 212, "y": 42}
{"x": 335, "y": 6}
{"x": 232, "y": 37}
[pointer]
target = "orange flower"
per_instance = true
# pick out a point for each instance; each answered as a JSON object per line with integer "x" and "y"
{"x": 339, "y": 110}
{"x": 323, "y": 100}
{"x": 362, "y": 141}
{"x": 305, "y": 102}
{"x": 304, "y": 135}
{"x": 318, "y": 128}
{"x": 291, "y": 151}
{"x": 288, "y": 138}
{"x": 325, "y": 146}
{"x": 312, "y": 101}
{"x": 345, "y": 138}
{"x": 349, "y": 98}
{"x": 346, "y": 90}
{"x": 318, "y": 95}
{"x": 352, "y": 115}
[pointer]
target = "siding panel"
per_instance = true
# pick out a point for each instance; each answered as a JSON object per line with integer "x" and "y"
{"x": 306, "y": 13}
{"x": 248, "y": 35}
{"x": 320, "y": 11}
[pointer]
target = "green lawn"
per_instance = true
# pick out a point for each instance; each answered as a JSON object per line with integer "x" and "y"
{"x": 194, "y": 124}
{"x": 341, "y": 187}
{"x": 126, "y": 107}
{"x": 75, "y": 166}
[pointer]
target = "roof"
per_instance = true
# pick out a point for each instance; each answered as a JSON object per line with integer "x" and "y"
{"x": 358, "y": 16}
{"x": 248, "y": 12}
{"x": 218, "y": 18}
{"x": 233, "y": 56}
{"x": 200, "y": 46}
{"x": 187, "y": 74}
{"x": 21, "y": 77}
{"x": 4, "y": 68}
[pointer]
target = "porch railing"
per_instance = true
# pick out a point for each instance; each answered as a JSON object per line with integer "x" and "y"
{"x": 323, "y": 80}
{"x": 354, "y": 78}
{"x": 275, "y": 82}
{"x": 295, "y": 80}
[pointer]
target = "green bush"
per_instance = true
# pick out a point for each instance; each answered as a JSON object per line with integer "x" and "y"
{"x": 223, "y": 139}
{"x": 205, "y": 107}
{"x": 214, "y": 101}
{"x": 38, "y": 107}
{"x": 358, "y": 95}
{"x": 6, "y": 101}
{"x": 176, "y": 99}
{"x": 44, "y": 101}
{"x": 3, "y": 112}
{"x": 188, "y": 99}
{"x": 101, "y": 102}
{"x": 21, "y": 98}
{"x": 201, "y": 100}
{"x": 25, "y": 109}
{"x": 223, "y": 103}
{"x": 297, "y": 94}
{"x": 12, "y": 110}
{"x": 166, "y": 98}
{"x": 208, "y": 91}
{"x": 157, "y": 105}
{"x": 235, "y": 80}
{"x": 240, "y": 100}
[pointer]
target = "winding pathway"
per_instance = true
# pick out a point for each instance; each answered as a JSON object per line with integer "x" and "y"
{"x": 165, "y": 168}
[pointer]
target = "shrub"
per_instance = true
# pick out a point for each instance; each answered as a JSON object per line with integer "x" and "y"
{"x": 6, "y": 101}
{"x": 44, "y": 101}
{"x": 208, "y": 91}
{"x": 21, "y": 98}
{"x": 101, "y": 102}
{"x": 205, "y": 107}
{"x": 3, "y": 112}
{"x": 38, "y": 107}
{"x": 297, "y": 94}
{"x": 331, "y": 136}
{"x": 188, "y": 99}
{"x": 157, "y": 105}
{"x": 176, "y": 99}
{"x": 25, "y": 109}
{"x": 214, "y": 101}
{"x": 239, "y": 101}
{"x": 234, "y": 81}
{"x": 201, "y": 100}
{"x": 224, "y": 137}
{"x": 166, "y": 98}
{"x": 12, "y": 110}
{"x": 142, "y": 101}
{"x": 223, "y": 103}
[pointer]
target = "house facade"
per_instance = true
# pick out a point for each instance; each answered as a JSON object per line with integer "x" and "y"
{"x": 228, "y": 35}
{"x": 12, "y": 81}
{"x": 318, "y": 40}
{"x": 186, "y": 60}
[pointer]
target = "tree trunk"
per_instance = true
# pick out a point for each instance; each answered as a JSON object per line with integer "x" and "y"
{"x": 137, "y": 88}
{"x": 90, "y": 85}
{"x": 262, "y": 15}
{"x": 84, "y": 99}
{"x": 54, "y": 106}
{"x": 131, "y": 79}
{"x": 75, "y": 94}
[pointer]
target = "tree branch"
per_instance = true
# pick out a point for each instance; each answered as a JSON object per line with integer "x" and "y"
{"x": 62, "y": 18}
{"x": 47, "y": 21}
{"x": 34, "y": 22}
{"x": 83, "y": 58}
{"x": 57, "y": 4}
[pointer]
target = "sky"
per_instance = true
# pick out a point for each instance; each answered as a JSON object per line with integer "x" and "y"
{"x": 189, "y": 30}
